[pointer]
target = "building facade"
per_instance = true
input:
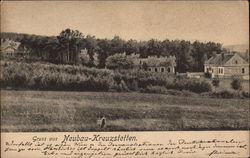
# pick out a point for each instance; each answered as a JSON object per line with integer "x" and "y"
{"x": 227, "y": 65}
{"x": 158, "y": 64}
{"x": 12, "y": 48}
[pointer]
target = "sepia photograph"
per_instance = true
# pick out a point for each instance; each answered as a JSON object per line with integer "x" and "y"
{"x": 124, "y": 66}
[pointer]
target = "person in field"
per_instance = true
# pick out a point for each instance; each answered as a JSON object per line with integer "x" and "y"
{"x": 101, "y": 122}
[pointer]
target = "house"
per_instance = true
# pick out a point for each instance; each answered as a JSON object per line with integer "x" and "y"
{"x": 227, "y": 65}
{"x": 158, "y": 64}
{"x": 12, "y": 48}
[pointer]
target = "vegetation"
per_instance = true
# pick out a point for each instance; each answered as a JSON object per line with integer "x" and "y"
{"x": 119, "y": 61}
{"x": 77, "y": 78}
{"x": 208, "y": 75}
{"x": 229, "y": 94}
{"x": 216, "y": 82}
{"x": 33, "y": 111}
{"x": 57, "y": 64}
{"x": 66, "y": 47}
{"x": 236, "y": 84}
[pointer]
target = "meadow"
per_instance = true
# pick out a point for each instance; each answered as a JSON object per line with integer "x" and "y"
{"x": 36, "y": 111}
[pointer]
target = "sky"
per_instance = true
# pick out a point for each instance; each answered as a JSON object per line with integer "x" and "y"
{"x": 226, "y": 22}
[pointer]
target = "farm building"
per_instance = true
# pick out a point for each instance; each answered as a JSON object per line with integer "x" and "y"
{"x": 161, "y": 64}
{"x": 12, "y": 48}
{"x": 227, "y": 65}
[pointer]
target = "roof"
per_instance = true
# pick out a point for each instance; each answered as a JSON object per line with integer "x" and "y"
{"x": 9, "y": 45}
{"x": 159, "y": 62}
{"x": 219, "y": 59}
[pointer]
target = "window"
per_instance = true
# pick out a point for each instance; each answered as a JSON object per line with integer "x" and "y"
{"x": 236, "y": 62}
{"x": 168, "y": 69}
{"x": 243, "y": 70}
{"x": 156, "y": 69}
{"x": 162, "y": 69}
{"x": 221, "y": 70}
{"x": 149, "y": 69}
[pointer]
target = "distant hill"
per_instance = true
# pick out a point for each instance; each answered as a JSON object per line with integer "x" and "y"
{"x": 17, "y": 36}
{"x": 238, "y": 48}
{"x": 243, "y": 49}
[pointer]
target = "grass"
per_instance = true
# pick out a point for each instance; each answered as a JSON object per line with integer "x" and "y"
{"x": 33, "y": 111}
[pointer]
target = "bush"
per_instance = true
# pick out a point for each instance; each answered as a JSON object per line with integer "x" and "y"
{"x": 55, "y": 77}
{"x": 236, "y": 84}
{"x": 193, "y": 85}
{"x": 208, "y": 75}
{"x": 119, "y": 61}
{"x": 224, "y": 94}
{"x": 216, "y": 82}
{"x": 78, "y": 78}
{"x": 245, "y": 94}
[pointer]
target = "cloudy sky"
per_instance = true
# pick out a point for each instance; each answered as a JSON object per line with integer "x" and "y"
{"x": 224, "y": 22}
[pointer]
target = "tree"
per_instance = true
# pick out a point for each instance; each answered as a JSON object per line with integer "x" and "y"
{"x": 143, "y": 50}
{"x": 184, "y": 58}
{"x": 84, "y": 59}
{"x": 119, "y": 61}
{"x": 154, "y": 48}
{"x": 90, "y": 44}
{"x": 131, "y": 47}
{"x": 216, "y": 82}
{"x": 71, "y": 42}
{"x": 103, "y": 50}
{"x": 198, "y": 53}
{"x": 166, "y": 48}
{"x": 117, "y": 45}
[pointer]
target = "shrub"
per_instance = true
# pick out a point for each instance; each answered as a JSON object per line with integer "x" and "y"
{"x": 193, "y": 85}
{"x": 119, "y": 61}
{"x": 84, "y": 59}
{"x": 236, "y": 84}
{"x": 208, "y": 75}
{"x": 55, "y": 77}
{"x": 121, "y": 87}
{"x": 224, "y": 94}
{"x": 245, "y": 94}
{"x": 216, "y": 82}
{"x": 79, "y": 78}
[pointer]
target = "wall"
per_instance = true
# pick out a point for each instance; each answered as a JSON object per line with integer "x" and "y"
{"x": 233, "y": 70}
{"x": 159, "y": 69}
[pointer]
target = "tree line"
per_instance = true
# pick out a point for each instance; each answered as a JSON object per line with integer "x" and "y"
{"x": 66, "y": 49}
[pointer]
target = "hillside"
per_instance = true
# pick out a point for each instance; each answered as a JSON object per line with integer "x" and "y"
{"x": 243, "y": 49}
{"x": 239, "y": 47}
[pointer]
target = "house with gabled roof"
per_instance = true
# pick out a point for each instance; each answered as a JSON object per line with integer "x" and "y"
{"x": 12, "y": 48}
{"x": 227, "y": 65}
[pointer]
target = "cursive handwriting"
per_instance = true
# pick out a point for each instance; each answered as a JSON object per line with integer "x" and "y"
{"x": 96, "y": 145}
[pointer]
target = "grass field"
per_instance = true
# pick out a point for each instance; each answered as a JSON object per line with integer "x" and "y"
{"x": 79, "y": 111}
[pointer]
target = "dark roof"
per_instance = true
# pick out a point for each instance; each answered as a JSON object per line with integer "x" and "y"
{"x": 159, "y": 62}
{"x": 219, "y": 59}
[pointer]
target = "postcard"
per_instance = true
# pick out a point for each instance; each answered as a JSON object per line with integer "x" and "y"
{"x": 124, "y": 79}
